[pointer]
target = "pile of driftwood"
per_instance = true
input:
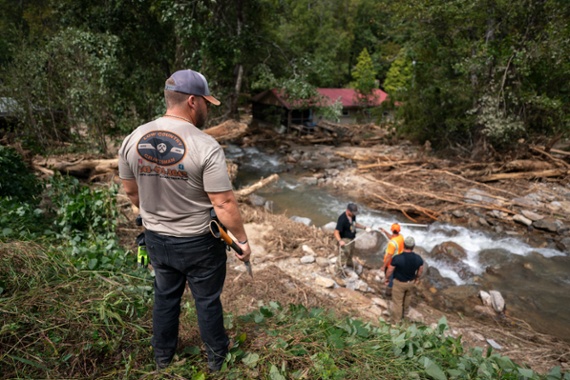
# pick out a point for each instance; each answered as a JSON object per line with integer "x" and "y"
{"x": 326, "y": 132}
{"x": 407, "y": 181}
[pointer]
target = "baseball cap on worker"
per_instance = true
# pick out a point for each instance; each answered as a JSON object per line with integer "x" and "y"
{"x": 352, "y": 208}
{"x": 192, "y": 83}
{"x": 409, "y": 242}
{"x": 395, "y": 228}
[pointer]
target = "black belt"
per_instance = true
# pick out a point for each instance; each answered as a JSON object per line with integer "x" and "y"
{"x": 404, "y": 282}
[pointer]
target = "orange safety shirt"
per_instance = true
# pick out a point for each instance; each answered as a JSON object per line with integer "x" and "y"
{"x": 395, "y": 246}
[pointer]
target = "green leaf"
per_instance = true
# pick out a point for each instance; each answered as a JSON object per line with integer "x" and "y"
{"x": 554, "y": 374}
{"x": 29, "y": 362}
{"x": 266, "y": 312}
{"x": 199, "y": 376}
{"x": 92, "y": 264}
{"x": 528, "y": 373}
{"x": 250, "y": 360}
{"x": 433, "y": 370}
{"x": 274, "y": 373}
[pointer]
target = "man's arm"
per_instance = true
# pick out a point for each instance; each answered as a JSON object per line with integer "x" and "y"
{"x": 227, "y": 211}
{"x": 389, "y": 273}
{"x": 338, "y": 238}
{"x": 132, "y": 190}
{"x": 390, "y": 250}
{"x": 419, "y": 274}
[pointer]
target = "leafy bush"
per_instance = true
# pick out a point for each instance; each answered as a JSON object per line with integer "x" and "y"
{"x": 85, "y": 223}
{"x": 16, "y": 180}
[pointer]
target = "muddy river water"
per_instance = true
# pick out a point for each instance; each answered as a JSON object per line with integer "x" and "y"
{"x": 535, "y": 282}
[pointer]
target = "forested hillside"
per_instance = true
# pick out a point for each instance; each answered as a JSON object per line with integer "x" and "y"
{"x": 476, "y": 74}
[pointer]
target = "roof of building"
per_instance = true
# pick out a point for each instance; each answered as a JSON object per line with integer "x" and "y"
{"x": 347, "y": 96}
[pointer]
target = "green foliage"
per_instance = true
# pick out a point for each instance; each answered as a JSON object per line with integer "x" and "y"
{"x": 21, "y": 220}
{"x": 400, "y": 76}
{"x": 20, "y": 214}
{"x": 98, "y": 324}
{"x": 486, "y": 74}
{"x": 88, "y": 322}
{"x": 85, "y": 223}
{"x": 364, "y": 75}
{"x": 63, "y": 88}
{"x": 16, "y": 180}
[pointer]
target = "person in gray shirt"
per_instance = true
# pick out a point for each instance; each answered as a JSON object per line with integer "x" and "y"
{"x": 175, "y": 173}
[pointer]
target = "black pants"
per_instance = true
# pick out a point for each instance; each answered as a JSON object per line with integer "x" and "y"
{"x": 200, "y": 261}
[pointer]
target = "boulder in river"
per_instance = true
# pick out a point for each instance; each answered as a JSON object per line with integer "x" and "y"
{"x": 300, "y": 219}
{"x": 497, "y": 301}
{"x": 448, "y": 252}
{"x": 368, "y": 241}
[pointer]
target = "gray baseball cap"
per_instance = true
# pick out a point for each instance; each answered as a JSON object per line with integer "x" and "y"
{"x": 352, "y": 208}
{"x": 409, "y": 242}
{"x": 192, "y": 83}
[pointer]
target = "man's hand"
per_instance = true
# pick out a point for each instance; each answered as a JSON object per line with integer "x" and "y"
{"x": 246, "y": 251}
{"x": 341, "y": 243}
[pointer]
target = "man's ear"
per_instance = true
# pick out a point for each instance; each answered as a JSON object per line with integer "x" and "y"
{"x": 191, "y": 101}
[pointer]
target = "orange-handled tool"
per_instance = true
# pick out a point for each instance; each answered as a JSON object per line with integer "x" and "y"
{"x": 219, "y": 232}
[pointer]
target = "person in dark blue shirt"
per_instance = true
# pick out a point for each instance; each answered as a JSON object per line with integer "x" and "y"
{"x": 407, "y": 269}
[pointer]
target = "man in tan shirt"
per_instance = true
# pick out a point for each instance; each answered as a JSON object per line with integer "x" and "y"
{"x": 176, "y": 174}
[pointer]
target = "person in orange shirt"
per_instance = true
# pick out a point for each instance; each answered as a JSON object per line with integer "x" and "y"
{"x": 395, "y": 247}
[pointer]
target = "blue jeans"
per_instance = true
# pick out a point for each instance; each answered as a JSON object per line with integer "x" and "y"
{"x": 200, "y": 261}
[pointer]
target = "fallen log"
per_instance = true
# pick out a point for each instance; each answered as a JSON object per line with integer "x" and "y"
{"x": 359, "y": 156}
{"x": 228, "y": 130}
{"x": 528, "y": 166}
{"x": 244, "y": 192}
{"x": 95, "y": 168}
{"x": 389, "y": 164}
{"x": 525, "y": 175}
{"x": 550, "y": 157}
{"x": 557, "y": 151}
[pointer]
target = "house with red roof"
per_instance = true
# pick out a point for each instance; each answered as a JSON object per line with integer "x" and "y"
{"x": 274, "y": 106}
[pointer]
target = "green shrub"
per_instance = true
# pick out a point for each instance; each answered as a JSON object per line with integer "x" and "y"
{"x": 85, "y": 223}
{"x": 16, "y": 180}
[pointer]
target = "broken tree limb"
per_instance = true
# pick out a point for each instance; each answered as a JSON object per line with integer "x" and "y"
{"x": 244, "y": 192}
{"x": 525, "y": 175}
{"x": 473, "y": 182}
{"x": 550, "y": 157}
{"x": 228, "y": 130}
{"x": 454, "y": 199}
{"x": 528, "y": 165}
{"x": 364, "y": 157}
{"x": 389, "y": 164}
{"x": 405, "y": 208}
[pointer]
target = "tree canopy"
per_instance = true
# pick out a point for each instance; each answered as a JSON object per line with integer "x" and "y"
{"x": 474, "y": 73}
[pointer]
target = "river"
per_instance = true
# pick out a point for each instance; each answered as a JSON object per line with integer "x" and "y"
{"x": 535, "y": 282}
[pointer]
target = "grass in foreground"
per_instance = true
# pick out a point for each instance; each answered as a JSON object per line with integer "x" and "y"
{"x": 63, "y": 322}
